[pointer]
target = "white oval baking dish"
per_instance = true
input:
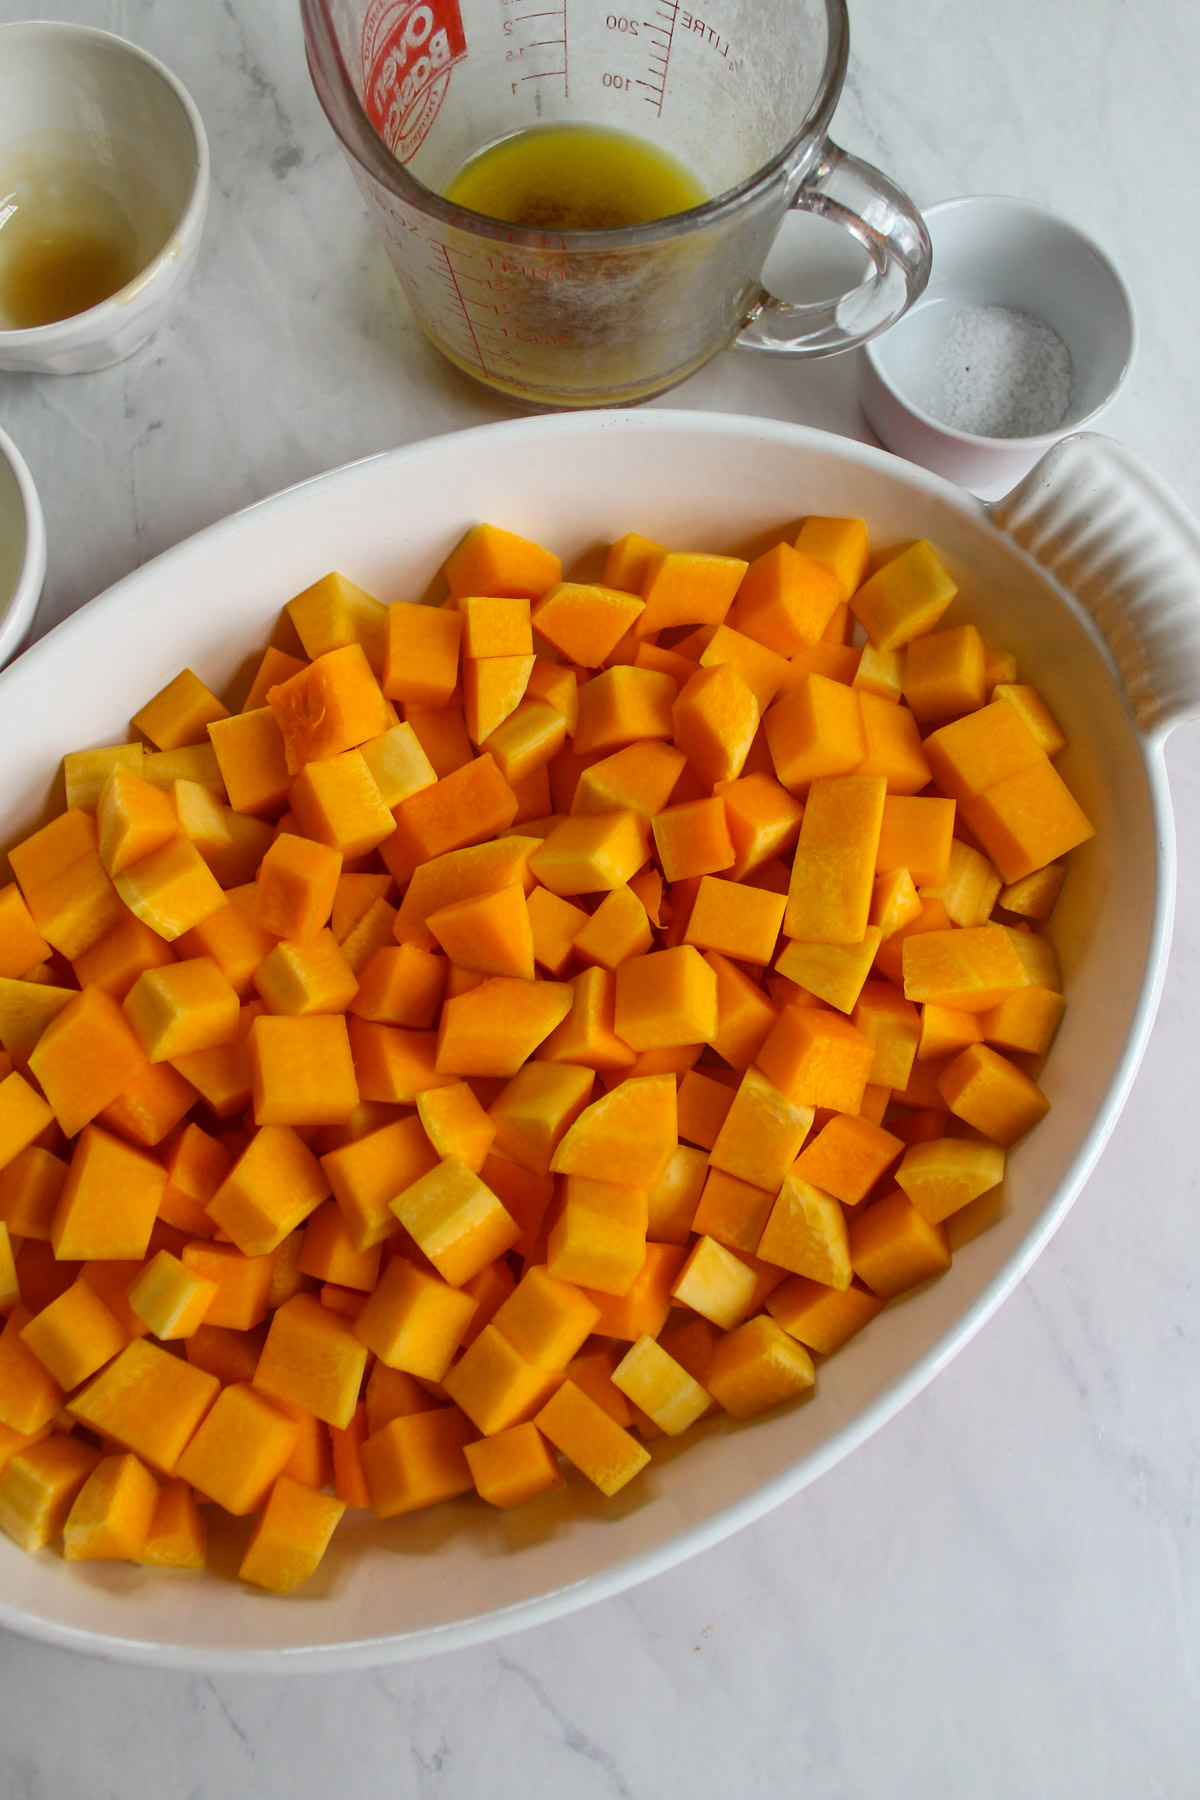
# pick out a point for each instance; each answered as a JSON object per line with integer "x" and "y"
{"x": 1089, "y": 572}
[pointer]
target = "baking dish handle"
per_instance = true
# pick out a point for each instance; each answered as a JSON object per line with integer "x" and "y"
{"x": 1095, "y": 516}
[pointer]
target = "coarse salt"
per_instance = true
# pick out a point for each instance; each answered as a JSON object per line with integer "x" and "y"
{"x": 1001, "y": 374}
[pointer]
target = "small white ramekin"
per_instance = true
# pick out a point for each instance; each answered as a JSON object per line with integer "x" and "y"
{"x": 57, "y": 80}
{"x": 22, "y": 548}
{"x": 992, "y": 251}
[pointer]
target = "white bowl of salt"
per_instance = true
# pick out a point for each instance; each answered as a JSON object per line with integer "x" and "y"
{"x": 1026, "y": 332}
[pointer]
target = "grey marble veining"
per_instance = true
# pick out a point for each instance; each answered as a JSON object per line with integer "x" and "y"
{"x": 998, "y": 1596}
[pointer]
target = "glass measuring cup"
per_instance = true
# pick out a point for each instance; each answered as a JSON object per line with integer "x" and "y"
{"x": 741, "y": 96}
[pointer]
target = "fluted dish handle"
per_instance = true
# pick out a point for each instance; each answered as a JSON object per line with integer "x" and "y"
{"x": 1099, "y": 520}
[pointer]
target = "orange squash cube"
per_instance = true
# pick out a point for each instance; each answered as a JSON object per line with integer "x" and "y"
{"x": 817, "y": 1058}
{"x": 338, "y": 802}
{"x": 715, "y": 720}
{"x": 86, "y": 771}
{"x": 661, "y": 1387}
{"x": 111, "y": 1516}
{"x": 85, "y": 1057}
{"x": 945, "y": 674}
{"x": 762, "y": 1133}
{"x": 916, "y": 834}
{"x": 975, "y": 752}
{"x": 494, "y": 1028}
{"x": 471, "y": 803}
{"x": 148, "y": 1401}
{"x": 133, "y": 818}
{"x": 715, "y": 1283}
{"x": 251, "y": 757}
{"x": 987, "y": 1091}
{"x": 177, "y": 1538}
{"x": 946, "y": 1174}
{"x": 180, "y": 713}
{"x": 630, "y": 1132}
{"x": 492, "y": 690}
{"x": 786, "y": 599}
{"x": 22, "y": 945}
{"x": 242, "y": 1287}
{"x": 589, "y": 1438}
{"x": 181, "y": 1007}
{"x": 456, "y": 1124}
{"x": 297, "y": 880}
{"x": 584, "y": 621}
{"x": 417, "y": 1461}
{"x": 806, "y": 1233}
{"x": 512, "y": 1467}
{"x": 456, "y": 1220}
{"x": 239, "y": 1450}
{"x": 414, "y": 1321}
{"x": 30, "y": 1186}
{"x": 302, "y": 979}
{"x": 535, "y": 1109}
{"x": 24, "y": 1115}
{"x": 591, "y": 853}
{"x": 732, "y": 1211}
{"x": 666, "y": 998}
{"x": 290, "y": 1537}
{"x": 231, "y": 936}
{"x": 313, "y": 1360}
{"x": 598, "y": 1240}
{"x": 815, "y": 729}
{"x": 1027, "y": 819}
{"x": 272, "y": 1188}
{"x": 546, "y": 1320}
{"x": 905, "y": 598}
{"x": 367, "y": 1174}
{"x": 489, "y": 932}
{"x": 401, "y": 985}
{"x": 302, "y": 1070}
{"x": 623, "y": 705}
{"x": 822, "y": 1318}
{"x": 554, "y": 924}
{"x": 892, "y": 1248}
{"x": 839, "y": 545}
{"x": 495, "y": 1386}
{"x": 625, "y": 561}
{"x": 639, "y": 778}
{"x": 420, "y": 658}
{"x": 171, "y": 890}
{"x": 490, "y": 560}
{"x": 333, "y": 704}
{"x": 29, "y": 1395}
{"x": 847, "y": 1157}
{"x": 109, "y": 1200}
{"x": 335, "y": 611}
{"x": 756, "y": 1366}
{"x": 703, "y": 1105}
{"x": 38, "y": 1486}
{"x": 171, "y": 1298}
{"x": 687, "y": 588}
{"x": 833, "y": 872}
{"x": 892, "y": 1025}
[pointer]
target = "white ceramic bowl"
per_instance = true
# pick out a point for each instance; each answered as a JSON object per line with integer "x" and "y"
{"x": 461, "y": 1572}
{"x": 22, "y": 548}
{"x": 997, "y": 252}
{"x": 94, "y": 126}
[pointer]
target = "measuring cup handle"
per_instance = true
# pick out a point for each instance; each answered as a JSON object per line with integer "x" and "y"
{"x": 890, "y": 229}
{"x": 1115, "y": 535}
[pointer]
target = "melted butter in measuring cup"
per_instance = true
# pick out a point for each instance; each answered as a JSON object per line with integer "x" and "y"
{"x": 80, "y": 217}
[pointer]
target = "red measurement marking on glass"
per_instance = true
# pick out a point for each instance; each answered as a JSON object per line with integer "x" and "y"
{"x": 661, "y": 29}
{"x": 557, "y": 43}
{"x": 463, "y": 308}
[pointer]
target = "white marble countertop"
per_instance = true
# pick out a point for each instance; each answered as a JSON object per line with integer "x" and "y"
{"x": 997, "y": 1595}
